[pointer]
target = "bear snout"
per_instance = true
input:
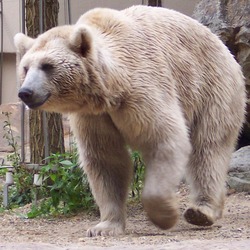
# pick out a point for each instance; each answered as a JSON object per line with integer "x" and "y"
{"x": 31, "y": 99}
{"x": 25, "y": 94}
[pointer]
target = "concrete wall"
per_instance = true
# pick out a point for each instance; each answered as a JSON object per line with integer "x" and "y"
{"x": 12, "y": 25}
{"x": 78, "y": 7}
{"x": 9, "y": 87}
{"x": 184, "y": 6}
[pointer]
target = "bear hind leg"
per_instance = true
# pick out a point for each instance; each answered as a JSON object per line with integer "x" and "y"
{"x": 206, "y": 174}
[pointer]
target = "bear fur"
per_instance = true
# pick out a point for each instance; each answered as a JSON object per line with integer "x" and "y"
{"x": 150, "y": 78}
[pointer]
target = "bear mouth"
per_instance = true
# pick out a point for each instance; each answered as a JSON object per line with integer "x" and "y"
{"x": 37, "y": 104}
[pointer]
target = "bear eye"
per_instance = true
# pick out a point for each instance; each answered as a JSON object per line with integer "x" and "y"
{"x": 46, "y": 66}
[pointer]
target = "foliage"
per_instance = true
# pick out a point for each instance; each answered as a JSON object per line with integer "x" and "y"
{"x": 20, "y": 193}
{"x": 15, "y": 157}
{"x": 2, "y": 176}
{"x": 65, "y": 188}
{"x": 138, "y": 178}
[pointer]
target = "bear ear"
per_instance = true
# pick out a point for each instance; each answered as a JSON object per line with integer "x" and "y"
{"x": 23, "y": 43}
{"x": 81, "y": 40}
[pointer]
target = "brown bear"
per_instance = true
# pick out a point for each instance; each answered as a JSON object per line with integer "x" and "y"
{"x": 150, "y": 78}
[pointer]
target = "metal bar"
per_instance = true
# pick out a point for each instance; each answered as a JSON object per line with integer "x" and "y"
{"x": 45, "y": 131}
{"x": 44, "y": 116}
{"x": 23, "y": 16}
{"x": 69, "y": 12}
{"x": 22, "y": 105}
{"x": 22, "y": 132}
{"x": 66, "y": 21}
{"x": 1, "y": 58}
{"x": 40, "y": 16}
{"x": 5, "y": 195}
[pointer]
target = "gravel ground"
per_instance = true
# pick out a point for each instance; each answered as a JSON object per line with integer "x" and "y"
{"x": 231, "y": 232}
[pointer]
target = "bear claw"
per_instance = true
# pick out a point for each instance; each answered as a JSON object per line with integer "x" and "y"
{"x": 106, "y": 228}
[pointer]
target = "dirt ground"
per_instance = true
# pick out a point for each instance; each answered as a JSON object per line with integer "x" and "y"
{"x": 66, "y": 231}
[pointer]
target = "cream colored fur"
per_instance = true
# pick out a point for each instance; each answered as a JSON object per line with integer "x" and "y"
{"x": 155, "y": 80}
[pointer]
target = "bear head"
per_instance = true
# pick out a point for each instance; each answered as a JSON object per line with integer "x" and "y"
{"x": 58, "y": 71}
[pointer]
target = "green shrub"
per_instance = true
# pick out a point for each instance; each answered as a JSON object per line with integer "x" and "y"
{"x": 20, "y": 193}
{"x": 138, "y": 178}
{"x": 65, "y": 188}
{"x": 14, "y": 157}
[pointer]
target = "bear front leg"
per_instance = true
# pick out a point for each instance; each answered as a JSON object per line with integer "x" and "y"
{"x": 165, "y": 163}
{"x": 106, "y": 161}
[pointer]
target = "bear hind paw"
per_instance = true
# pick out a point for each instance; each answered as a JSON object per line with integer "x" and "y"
{"x": 106, "y": 228}
{"x": 198, "y": 218}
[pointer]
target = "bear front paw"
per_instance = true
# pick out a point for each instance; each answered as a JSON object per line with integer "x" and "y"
{"x": 106, "y": 228}
{"x": 161, "y": 211}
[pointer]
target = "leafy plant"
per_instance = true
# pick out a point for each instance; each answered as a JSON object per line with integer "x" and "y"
{"x": 20, "y": 193}
{"x": 138, "y": 178}
{"x": 2, "y": 176}
{"x": 65, "y": 187}
{"x": 15, "y": 157}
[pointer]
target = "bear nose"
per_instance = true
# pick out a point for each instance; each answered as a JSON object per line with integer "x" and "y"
{"x": 25, "y": 94}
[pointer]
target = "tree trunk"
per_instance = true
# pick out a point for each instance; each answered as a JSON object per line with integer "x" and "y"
{"x": 54, "y": 121}
{"x": 154, "y": 3}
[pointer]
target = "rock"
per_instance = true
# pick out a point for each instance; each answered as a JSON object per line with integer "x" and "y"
{"x": 240, "y": 161}
{"x": 229, "y": 19}
{"x": 239, "y": 184}
{"x": 239, "y": 170}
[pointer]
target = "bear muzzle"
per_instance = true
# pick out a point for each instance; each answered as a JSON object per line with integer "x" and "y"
{"x": 31, "y": 99}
